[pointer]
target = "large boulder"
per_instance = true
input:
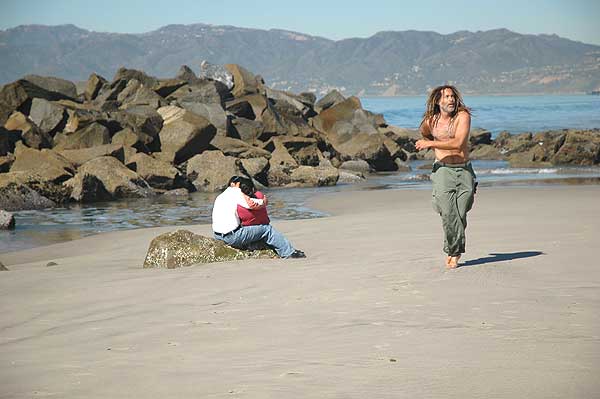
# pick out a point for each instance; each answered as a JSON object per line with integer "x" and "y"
{"x": 315, "y": 176}
{"x": 55, "y": 192}
{"x": 257, "y": 102}
{"x": 184, "y": 134}
{"x": 92, "y": 135}
{"x": 237, "y": 148}
{"x": 48, "y": 164}
{"x": 203, "y": 91}
{"x": 144, "y": 121}
{"x": 49, "y": 117}
{"x": 303, "y": 150}
{"x": 244, "y": 82}
{"x": 62, "y": 87}
{"x": 93, "y": 86}
{"x": 17, "y": 197}
{"x": 292, "y": 104}
{"x": 346, "y": 118}
{"x": 19, "y": 95}
{"x": 7, "y": 220}
{"x": 21, "y": 127}
{"x": 369, "y": 147}
{"x": 214, "y": 113}
{"x": 128, "y": 138}
{"x": 248, "y": 130}
{"x": 79, "y": 157}
{"x": 332, "y": 98}
{"x": 136, "y": 93}
{"x": 165, "y": 87}
{"x": 211, "y": 170}
{"x": 241, "y": 108}
{"x": 156, "y": 173}
{"x": 480, "y": 136}
{"x": 126, "y": 75}
{"x": 106, "y": 178}
{"x": 183, "y": 248}
{"x": 257, "y": 169}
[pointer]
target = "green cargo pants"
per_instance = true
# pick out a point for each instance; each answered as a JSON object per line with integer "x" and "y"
{"x": 453, "y": 192}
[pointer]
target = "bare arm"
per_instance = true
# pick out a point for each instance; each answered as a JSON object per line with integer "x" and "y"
{"x": 463, "y": 125}
{"x": 251, "y": 203}
{"x": 425, "y": 130}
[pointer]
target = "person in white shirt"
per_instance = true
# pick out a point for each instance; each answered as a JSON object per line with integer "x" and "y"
{"x": 227, "y": 227}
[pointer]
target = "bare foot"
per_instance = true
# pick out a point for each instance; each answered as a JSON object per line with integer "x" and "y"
{"x": 453, "y": 262}
{"x": 447, "y": 262}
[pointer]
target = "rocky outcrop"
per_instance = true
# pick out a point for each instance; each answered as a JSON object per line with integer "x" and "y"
{"x": 309, "y": 176}
{"x": 16, "y": 197}
{"x": 183, "y": 248}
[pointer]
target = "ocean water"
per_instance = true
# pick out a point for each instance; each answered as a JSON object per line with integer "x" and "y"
{"x": 513, "y": 113}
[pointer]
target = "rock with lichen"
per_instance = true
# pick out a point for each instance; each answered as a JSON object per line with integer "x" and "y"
{"x": 183, "y": 248}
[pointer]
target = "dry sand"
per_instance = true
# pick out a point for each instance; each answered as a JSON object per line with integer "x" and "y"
{"x": 370, "y": 314}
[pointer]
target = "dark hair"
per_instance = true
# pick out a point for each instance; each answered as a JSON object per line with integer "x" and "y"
{"x": 247, "y": 186}
{"x": 234, "y": 179}
{"x": 432, "y": 110}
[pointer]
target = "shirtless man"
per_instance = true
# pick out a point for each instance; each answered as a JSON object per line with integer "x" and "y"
{"x": 445, "y": 128}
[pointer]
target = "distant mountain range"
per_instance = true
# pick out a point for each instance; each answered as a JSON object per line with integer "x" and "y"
{"x": 387, "y": 63}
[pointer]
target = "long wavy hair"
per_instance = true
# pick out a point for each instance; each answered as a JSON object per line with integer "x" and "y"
{"x": 432, "y": 109}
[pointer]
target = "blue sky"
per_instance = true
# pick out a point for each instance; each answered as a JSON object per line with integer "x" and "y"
{"x": 333, "y": 19}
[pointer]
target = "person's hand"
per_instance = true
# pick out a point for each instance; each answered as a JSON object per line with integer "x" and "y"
{"x": 422, "y": 144}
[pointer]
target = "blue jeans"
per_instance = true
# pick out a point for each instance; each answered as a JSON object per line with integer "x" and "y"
{"x": 247, "y": 235}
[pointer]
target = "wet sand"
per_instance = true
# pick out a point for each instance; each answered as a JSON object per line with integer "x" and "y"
{"x": 370, "y": 313}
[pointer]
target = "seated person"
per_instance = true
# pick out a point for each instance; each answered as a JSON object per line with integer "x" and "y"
{"x": 227, "y": 226}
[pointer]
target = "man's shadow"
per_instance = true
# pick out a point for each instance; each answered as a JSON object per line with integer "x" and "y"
{"x": 500, "y": 258}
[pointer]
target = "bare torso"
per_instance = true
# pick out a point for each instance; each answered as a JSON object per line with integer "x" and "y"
{"x": 444, "y": 131}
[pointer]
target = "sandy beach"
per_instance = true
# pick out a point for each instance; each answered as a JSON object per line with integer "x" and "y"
{"x": 371, "y": 313}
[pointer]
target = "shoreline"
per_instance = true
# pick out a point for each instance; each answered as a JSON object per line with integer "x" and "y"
{"x": 370, "y": 313}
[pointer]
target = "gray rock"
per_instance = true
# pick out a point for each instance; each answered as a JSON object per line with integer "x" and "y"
{"x": 303, "y": 150}
{"x": 356, "y": 165}
{"x": 48, "y": 164}
{"x": 165, "y": 87}
{"x": 55, "y": 192}
{"x": 248, "y": 130}
{"x": 49, "y": 117}
{"x": 214, "y": 113}
{"x": 202, "y": 92}
{"x": 79, "y": 157}
{"x": 157, "y": 173}
{"x": 368, "y": 147}
{"x": 308, "y": 98}
{"x": 17, "y": 197}
{"x": 237, "y": 148}
{"x": 136, "y": 93}
{"x": 55, "y": 85}
{"x": 92, "y": 135}
{"x": 347, "y": 177}
{"x": 17, "y": 96}
{"x": 128, "y": 138}
{"x": 480, "y": 136}
{"x": 257, "y": 168}
{"x": 186, "y": 74}
{"x": 124, "y": 74}
{"x": 202, "y": 169}
{"x": 332, "y": 98}
{"x": 183, "y": 248}
{"x": 105, "y": 178}
{"x": 7, "y": 220}
{"x": 184, "y": 133}
{"x": 242, "y": 109}
{"x": 93, "y": 86}
{"x": 315, "y": 176}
